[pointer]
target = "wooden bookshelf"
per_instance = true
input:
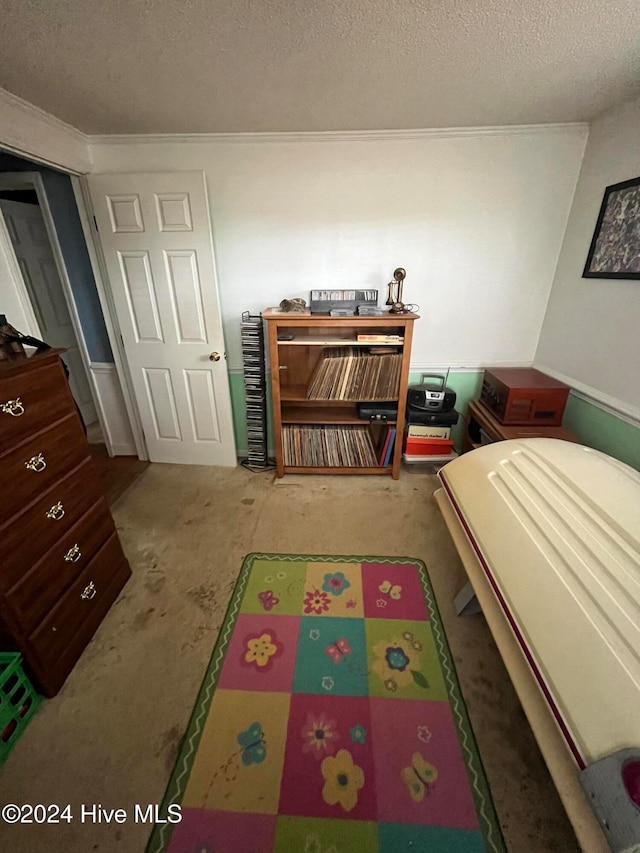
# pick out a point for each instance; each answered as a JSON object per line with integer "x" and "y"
{"x": 323, "y": 353}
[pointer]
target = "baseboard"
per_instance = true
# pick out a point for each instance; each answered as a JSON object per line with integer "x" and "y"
{"x": 113, "y": 413}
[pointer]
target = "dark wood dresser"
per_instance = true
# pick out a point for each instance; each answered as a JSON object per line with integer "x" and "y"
{"x": 61, "y": 563}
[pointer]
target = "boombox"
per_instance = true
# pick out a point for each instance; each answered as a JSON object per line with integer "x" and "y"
{"x": 431, "y": 396}
{"x": 524, "y": 396}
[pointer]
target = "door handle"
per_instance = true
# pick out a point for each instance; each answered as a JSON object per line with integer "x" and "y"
{"x": 214, "y": 356}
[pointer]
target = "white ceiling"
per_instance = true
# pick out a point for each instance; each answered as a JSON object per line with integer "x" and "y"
{"x": 189, "y": 66}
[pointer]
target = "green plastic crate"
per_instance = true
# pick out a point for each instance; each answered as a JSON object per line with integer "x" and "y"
{"x": 18, "y": 701}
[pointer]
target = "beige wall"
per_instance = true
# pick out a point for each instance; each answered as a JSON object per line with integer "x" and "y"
{"x": 475, "y": 217}
{"x": 591, "y": 331}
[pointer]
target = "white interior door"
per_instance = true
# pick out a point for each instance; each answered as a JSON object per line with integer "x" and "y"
{"x": 28, "y": 233}
{"x": 156, "y": 237}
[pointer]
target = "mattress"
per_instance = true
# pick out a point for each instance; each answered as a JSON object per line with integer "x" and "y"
{"x": 556, "y": 528}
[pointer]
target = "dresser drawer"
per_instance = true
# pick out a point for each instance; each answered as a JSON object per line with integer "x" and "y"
{"x": 26, "y": 537}
{"x": 59, "y": 640}
{"x": 37, "y": 590}
{"x": 31, "y": 401}
{"x": 33, "y": 467}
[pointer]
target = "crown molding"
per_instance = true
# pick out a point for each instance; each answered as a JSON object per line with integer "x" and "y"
{"x": 577, "y": 128}
{"x": 28, "y": 131}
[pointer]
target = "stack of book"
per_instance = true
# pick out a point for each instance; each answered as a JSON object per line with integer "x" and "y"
{"x": 328, "y": 447}
{"x": 382, "y": 338}
{"x": 352, "y": 373}
{"x": 425, "y": 443}
{"x": 386, "y": 452}
{"x": 349, "y": 301}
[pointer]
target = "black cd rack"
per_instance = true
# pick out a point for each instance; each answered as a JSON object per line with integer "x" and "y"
{"x": 255, "y": 389}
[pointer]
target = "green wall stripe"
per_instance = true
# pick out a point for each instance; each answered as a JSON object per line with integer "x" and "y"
{"x": 603, "y": 431}
{"x": 595, "y": 427}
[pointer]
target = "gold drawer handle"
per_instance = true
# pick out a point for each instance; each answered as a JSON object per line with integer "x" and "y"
{"x": 56, "y": 512}
{"x": 73, "y": 554}
{"x": 89, "y": 591}
{"x": 36, "y": 463}
{"x": 12, "y": 407}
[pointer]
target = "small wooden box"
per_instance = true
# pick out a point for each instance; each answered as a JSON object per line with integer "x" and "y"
{"x": 524, "y": 396}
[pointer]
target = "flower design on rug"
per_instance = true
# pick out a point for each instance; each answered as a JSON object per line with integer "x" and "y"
{"x": 281, "y": 576}
{"x": 316, "y": 602}
{"x": 319, "y": 735}
{"x": 351, "y": 603}
{"x": 397, "y": 664}
{"x": 381, "y": 602}
{"x": 268, "y": 578}
{"x": 358, "y": 734}
{"x": 261, "y": 649}
{"x": 342, "y": 780}
{"x": 424, "y": 734}
{"x": 335, "y": 583}
{"x": 327, "y": 682}
{"x": 396, "y": 658}
{"x": 314, "y": 634}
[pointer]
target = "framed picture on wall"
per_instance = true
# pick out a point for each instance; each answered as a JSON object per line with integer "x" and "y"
{"x": 615, "y": 247}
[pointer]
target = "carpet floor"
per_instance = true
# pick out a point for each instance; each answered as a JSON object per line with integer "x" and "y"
{"x": 112, "y": 735}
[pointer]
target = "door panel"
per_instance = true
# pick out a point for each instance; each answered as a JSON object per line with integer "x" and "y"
{"x": 32, "y": 248}
{"x": 182, "y": 273}
{"x": 156, "y": 237}
{"x": 140, "y": 291}
{"x": 162, "y": 403}
{"x": 201, "y": 403}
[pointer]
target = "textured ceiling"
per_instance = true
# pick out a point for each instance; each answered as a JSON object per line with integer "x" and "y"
{"x": 189, "y": 66}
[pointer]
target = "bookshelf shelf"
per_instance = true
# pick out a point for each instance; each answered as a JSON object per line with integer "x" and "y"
{"x": 315, "y": 414}
{"x": 333, "y": 342}
{"x": 298, "y": 395}
{"x": 324, "y": 359}
{"x": 328, "y": 469}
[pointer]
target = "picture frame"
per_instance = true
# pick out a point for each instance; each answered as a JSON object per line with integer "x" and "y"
{"x": 615, "y": 246}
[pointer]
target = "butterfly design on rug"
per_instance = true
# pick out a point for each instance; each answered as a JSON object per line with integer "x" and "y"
{"x": 267, "y": 599}
{"x": 252, "y": 743}
{"x": 338, "y": 650}
{"x": 394, "y": 591}
{"x": 420, "y": 777}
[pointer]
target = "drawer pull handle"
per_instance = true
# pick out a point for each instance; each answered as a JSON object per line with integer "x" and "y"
{"x": 89, "y": 591}
{"x": 56, "y": 512}
{"x": 12, "y": 407}
{"x": 36, "y": 463}
{"x": 73, "y": 554}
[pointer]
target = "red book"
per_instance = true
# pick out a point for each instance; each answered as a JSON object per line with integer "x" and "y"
{"x": 384, "y": 449}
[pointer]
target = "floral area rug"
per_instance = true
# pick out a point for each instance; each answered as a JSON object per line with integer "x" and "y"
{"x": 330, "y": 720}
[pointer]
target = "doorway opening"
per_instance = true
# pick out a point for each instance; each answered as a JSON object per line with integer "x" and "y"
{"x": 34, "y": 253}
{"x": 52, "y": 281}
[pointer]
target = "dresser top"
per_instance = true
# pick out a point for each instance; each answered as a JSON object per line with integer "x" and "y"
{"x": 21, "y": 363}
